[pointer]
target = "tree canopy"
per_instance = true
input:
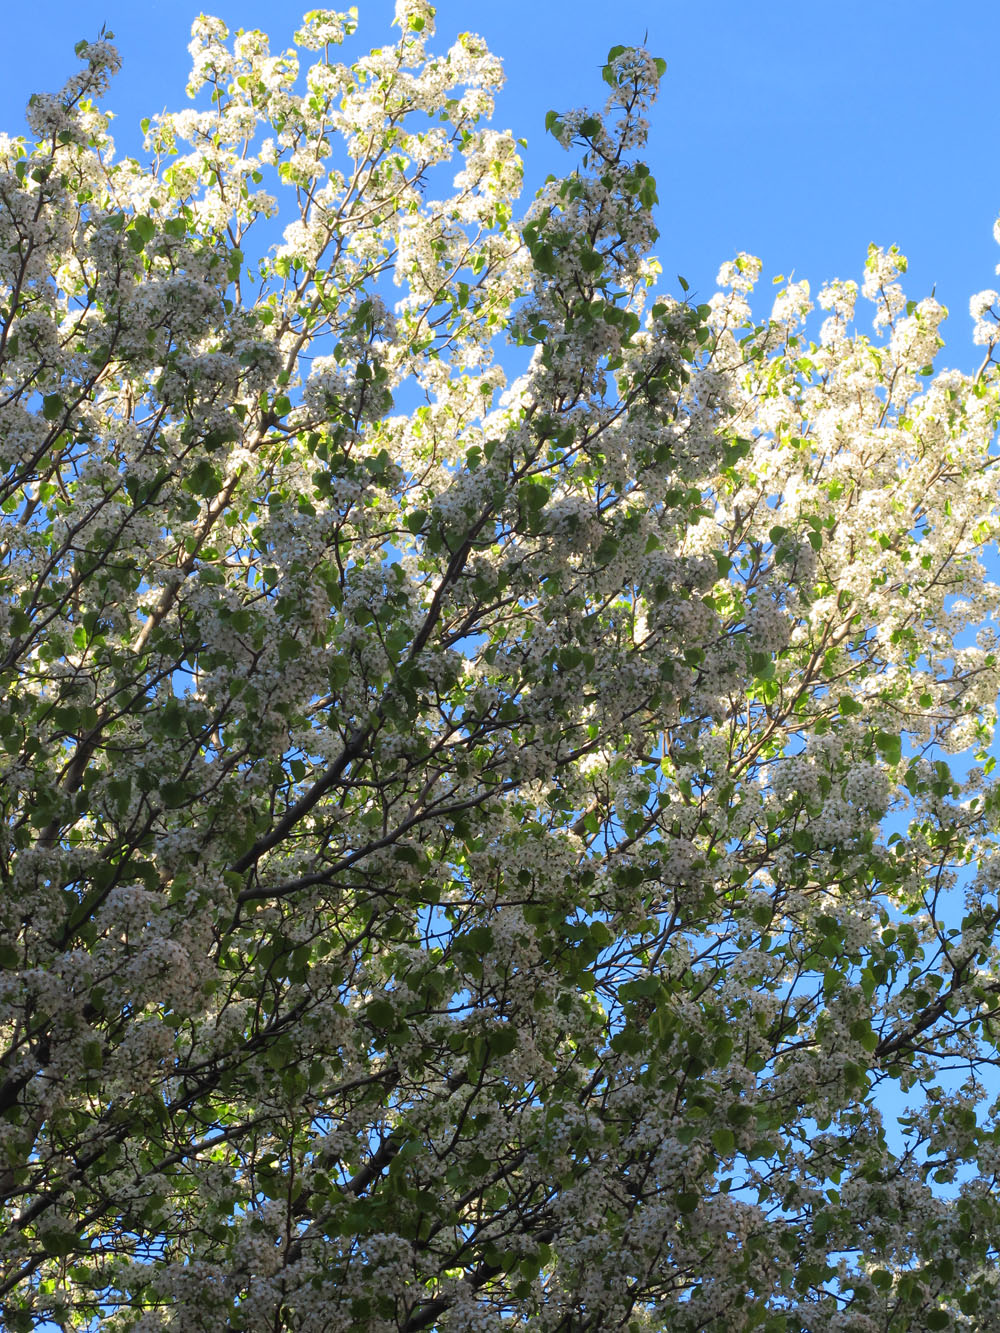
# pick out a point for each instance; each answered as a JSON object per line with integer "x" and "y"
{"x": 479, "y": 847}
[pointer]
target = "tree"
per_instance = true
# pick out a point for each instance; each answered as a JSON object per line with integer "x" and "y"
{"x": 477, "y": 854}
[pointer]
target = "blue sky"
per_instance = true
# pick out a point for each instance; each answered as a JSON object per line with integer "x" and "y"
{"x": 797, "y": 132}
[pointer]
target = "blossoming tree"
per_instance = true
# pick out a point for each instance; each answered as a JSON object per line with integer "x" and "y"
{"x": 476, "y": 851}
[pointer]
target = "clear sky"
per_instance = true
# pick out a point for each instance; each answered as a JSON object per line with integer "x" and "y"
{"x": 797, "y": 132}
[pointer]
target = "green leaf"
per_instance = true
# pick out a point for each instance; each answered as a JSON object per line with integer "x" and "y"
{"x": 141, "y": 230}
{"x": 381, "y": 1014}
{"x": 175, "y": 795}
{"x": 861, "y": 1031}
{"x": 58, "y": 1242}
{"x": 534, "y": 495}
{"x": 503, "y": 1040}
{"x": 93, "y": 1054}
{"x": 204, "y": 479}
{"x": 724, "y": 1141}
{"x": 735, "y": 449}
{"x": 606, "y": 551}
{"x": 889, "y": 746}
